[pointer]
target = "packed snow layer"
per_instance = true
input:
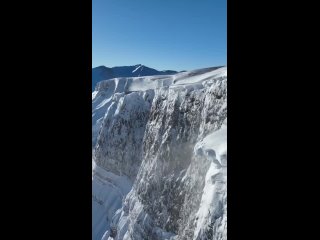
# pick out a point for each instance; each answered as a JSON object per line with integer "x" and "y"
{"x": 165, "y": 138}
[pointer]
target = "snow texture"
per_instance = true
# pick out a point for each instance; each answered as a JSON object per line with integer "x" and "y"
{"x": 160, "y": 157}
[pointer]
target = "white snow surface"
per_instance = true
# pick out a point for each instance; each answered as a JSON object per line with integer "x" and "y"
{"x": 108, "y": 191}
{"x": 160, "y": 157}
{"x": 109, "y": 90}
{"x": 214, "y": 147}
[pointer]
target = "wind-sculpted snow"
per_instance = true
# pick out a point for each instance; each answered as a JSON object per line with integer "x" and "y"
{"x": 167, "y": 136}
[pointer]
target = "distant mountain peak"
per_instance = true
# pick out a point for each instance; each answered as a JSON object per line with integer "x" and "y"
{"x": 139, "y": 70}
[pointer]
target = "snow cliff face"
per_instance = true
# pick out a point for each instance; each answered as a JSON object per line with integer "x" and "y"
{"x": 160, "y": 157}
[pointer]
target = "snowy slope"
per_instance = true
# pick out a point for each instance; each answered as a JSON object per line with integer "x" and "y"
{"x": 108, "y": 193}
{"x": 160, "y": 156}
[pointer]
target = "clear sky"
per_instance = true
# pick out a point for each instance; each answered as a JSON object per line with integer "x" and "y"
{"x": 162, "y": 34}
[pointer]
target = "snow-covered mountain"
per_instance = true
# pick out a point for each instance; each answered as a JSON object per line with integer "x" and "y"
{"x": 160, "y": 157}
{"x": 103, "y": 73}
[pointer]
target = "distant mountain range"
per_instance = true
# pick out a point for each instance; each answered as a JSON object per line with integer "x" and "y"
{"x": 103, "y": 73}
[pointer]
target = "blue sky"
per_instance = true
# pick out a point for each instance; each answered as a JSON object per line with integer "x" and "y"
{"x": 162, "y": 34}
